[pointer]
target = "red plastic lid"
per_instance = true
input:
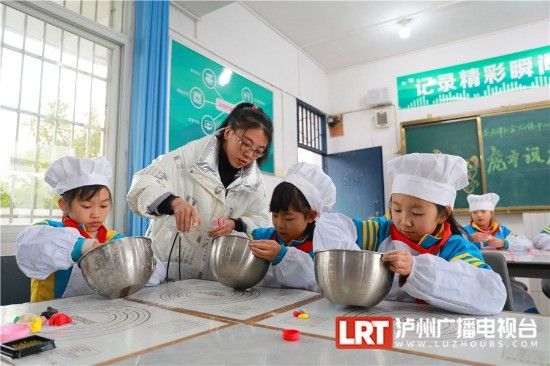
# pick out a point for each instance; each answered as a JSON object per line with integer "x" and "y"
{"x": 291, "y": 334}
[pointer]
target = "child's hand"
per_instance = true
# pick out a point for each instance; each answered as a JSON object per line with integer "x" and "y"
{"x": 399, "y": 260}
{"x": 223, "y": 230}
{"x": 265, "y": 249}
{"x": 480, "y": 237}
{"x": 90, "y": 244}
{"x": 495, "y": 243}
{"x": 186, "y": 215}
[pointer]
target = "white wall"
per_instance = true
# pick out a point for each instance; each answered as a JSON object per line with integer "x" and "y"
{"x": 234, "y": 37}
{"x": 348, "y": 89}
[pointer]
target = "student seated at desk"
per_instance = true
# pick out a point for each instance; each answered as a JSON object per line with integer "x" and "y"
{"x": 299, "y": 208}
{"x": 48, "y": 252}
{"x": 542, "y": 239}
{"x": 422, "y": 242}
{"x": 487, "y": 233}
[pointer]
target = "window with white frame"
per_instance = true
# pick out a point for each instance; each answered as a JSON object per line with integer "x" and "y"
{"x": 105, "y": 12}
{"x": 57, "y": 88}
{"x": 311, "y": 134}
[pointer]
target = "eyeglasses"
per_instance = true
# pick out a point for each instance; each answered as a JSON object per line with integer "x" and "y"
{"x": 247, "y": 147}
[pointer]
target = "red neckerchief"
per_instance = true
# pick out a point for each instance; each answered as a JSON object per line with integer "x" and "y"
{"x": 101, "y": 232}
{"x": 306, "y": 246}
{"x": 495, "y": 227}
{"x": 396, "y": 235}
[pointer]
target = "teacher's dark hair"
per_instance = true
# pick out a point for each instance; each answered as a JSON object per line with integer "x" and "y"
{"x": 245, "y": 116}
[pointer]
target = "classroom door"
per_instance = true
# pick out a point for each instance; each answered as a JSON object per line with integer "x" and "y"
{"x": 359, "y": 182}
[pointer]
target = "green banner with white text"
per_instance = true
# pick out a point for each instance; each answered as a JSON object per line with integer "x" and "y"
{"x": 515, "y": 71}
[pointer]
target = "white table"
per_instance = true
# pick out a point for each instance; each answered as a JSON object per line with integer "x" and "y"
{"x": 155, "y": 329}
{"x": 533, "y": 263}
{"x": 104, "y": 330}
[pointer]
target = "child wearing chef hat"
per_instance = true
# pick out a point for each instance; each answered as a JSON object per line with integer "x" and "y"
{"x": 48, "y": 252}
{"x": 300, "y": 210}
{"x": 422, "y": 242}
{"x": 485, "y": 232}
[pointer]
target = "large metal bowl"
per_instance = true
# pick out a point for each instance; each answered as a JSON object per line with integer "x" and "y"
{"x": 357, "y": 278}
{"x": 234, "y": 265}
{"x": 120, "y": 267}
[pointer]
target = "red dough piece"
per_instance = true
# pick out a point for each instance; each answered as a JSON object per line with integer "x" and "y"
{"x": 59, "y": 319}
{"x": 291, "y": 334}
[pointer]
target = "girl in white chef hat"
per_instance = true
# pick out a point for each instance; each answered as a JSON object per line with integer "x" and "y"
{"x": 302, "y": 222}
{"x": 422, "y": 242}
{"x": 48, "y": 252}
{"x": 485, "y": 232}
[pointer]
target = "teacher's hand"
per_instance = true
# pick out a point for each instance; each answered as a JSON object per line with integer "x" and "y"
{"x": 223, "y": 230}
{"x": 186, "y": 215}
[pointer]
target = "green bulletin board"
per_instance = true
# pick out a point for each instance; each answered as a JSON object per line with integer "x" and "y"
{"x": 442, "y": 138}
{"x": 203, "y": 92}
{"x": 515, "y": 159}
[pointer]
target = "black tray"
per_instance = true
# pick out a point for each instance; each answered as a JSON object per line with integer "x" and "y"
{"x": 39, "y": 344}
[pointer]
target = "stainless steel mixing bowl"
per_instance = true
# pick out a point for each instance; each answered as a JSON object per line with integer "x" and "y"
{"x": 120, "y": 267}
{"x": 348, "y": 277}
{"x": 234, "y": 265}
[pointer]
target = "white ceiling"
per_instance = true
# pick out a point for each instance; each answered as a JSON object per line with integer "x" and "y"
{"x": 338, "y": 34}
{"x": 197, "y": 9}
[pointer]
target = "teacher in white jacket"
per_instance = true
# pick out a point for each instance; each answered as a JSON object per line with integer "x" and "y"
{"x": 206, "y": 188}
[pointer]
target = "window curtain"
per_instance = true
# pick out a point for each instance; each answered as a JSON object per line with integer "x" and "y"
{"x": 149, "y": 93}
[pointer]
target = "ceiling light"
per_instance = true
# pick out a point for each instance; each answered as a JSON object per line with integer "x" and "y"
{"x": 404, "y": 30}
{"x": 225, "y": 77}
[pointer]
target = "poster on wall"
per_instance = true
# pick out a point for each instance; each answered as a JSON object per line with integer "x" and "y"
{"x": 502, "y": 74}
{"x": 203, "y": 92}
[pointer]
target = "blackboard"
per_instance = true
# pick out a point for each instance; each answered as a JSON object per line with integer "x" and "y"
{"x": 516, "y": 147}
{"x": 515, "y": 152}
{"x": 457, "y": 137}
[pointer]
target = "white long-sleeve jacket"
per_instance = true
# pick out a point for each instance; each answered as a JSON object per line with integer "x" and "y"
{"x": 51, "y": 248}
{"x": 456, "y": 278}
{"x": 191, "y": 172}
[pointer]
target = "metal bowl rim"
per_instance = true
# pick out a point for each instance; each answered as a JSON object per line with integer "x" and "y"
{"x": 148, "y": 241}
{"x": 349, "y": 250}
{"x": 230, "y": 235}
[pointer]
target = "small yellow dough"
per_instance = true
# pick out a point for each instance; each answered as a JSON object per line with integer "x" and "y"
{"x": 303, "y": 316}
{"x": 36, "y": 325}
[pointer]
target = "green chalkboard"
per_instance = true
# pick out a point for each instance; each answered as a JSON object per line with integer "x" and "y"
{"x": 516, "y": 148}
{"x": 457, "y": 137}
{"x": 203, "y": 92}
{"x": 515, "y": 152}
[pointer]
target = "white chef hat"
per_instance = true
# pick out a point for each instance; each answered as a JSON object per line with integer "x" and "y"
{"x": 315, "y": 185}
{"x": 483, "y": 202}
{"x": 431, "y": 177}
{"x": 71, "y": 172}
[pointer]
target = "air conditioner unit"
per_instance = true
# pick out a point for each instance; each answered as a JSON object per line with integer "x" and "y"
{"x": 378, "y": 97}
